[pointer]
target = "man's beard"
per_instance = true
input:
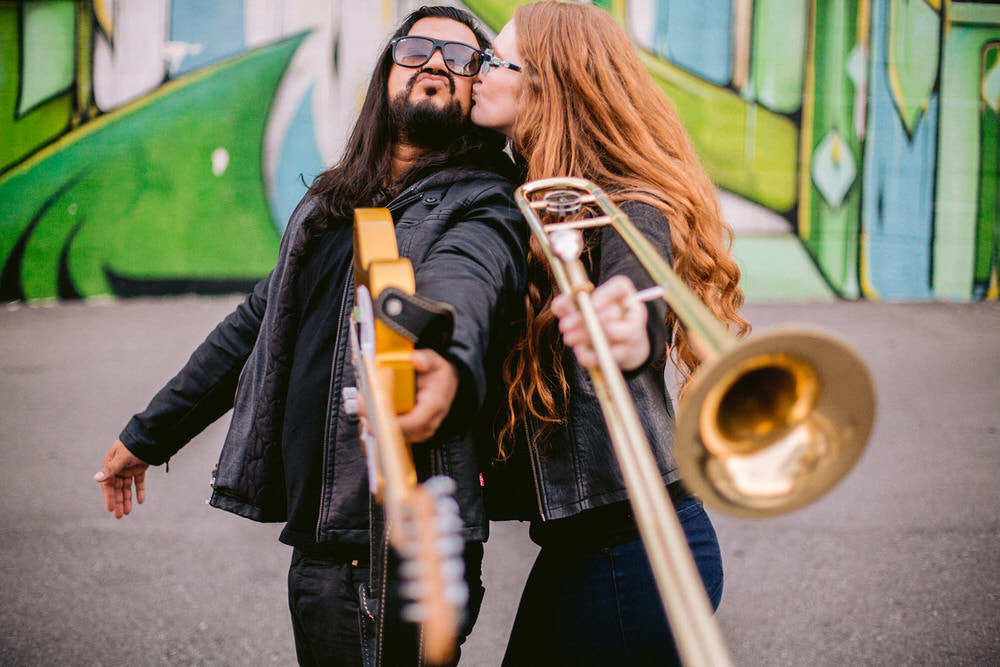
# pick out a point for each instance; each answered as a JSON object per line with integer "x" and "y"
{"x": 424, "y": 123}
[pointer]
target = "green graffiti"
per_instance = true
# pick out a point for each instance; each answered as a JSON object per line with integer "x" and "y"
{"x": 961, "y": 149}
{"x": 48, "y": 52}
{"x": 988, "y": 228}
{"x": 914, "y": 43}
{"x": 776, "y": 267}
{"x": 745, "y": 148}
{"x": 167, "y": 194}
{"x": 829, "y": 216}
{"x": 494, "y": 13}
{"x": 43, "y": 111}
{"x": 168, "y": 187}
{"x": 779, "y": 47}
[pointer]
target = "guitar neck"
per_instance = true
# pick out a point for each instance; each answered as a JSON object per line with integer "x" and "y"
{"x": 393, "y": 456}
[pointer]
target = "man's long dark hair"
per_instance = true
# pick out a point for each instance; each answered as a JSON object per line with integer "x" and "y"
{"x": 361, "y": 175}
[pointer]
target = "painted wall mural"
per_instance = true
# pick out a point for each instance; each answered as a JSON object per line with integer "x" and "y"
{"x": 158, "y": 146}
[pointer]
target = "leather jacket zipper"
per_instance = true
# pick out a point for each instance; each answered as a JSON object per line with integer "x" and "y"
{"x": 331, "y": 409}
{"x": 402, "y": 200}
{"x": 532, "y": 455}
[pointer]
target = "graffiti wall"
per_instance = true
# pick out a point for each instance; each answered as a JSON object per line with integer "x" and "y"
{"x": 158, "y": 146}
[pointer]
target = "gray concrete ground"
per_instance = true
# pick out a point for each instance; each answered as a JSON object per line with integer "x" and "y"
{"x": 899, "y": 565}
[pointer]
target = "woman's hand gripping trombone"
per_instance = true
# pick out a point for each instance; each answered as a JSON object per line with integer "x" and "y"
{"x": 623, "y": 319}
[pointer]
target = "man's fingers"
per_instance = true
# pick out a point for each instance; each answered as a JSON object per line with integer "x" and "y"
{"x": 127, "y": 496}
{"x": 422, "y": 421}
{"x": 140, "y": 488}
{"x": 117, "y": 504}
{"x": 417, "y": 426}
{"x": 117, "y": 492}
{"x": 107, "y": 490}
{"x": 424, "y": 360}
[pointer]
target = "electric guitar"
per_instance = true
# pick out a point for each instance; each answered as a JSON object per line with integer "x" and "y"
{"x": 421, "y": 520}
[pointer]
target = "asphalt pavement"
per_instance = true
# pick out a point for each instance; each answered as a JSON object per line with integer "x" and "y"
{"x": 899, "y": 565}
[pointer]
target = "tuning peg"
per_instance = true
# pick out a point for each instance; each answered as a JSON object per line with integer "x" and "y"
{"x": 413, "y": 590}
{"x": 453, "y": 569}
{"x": 449, "y": 545}
{"x": 457, "y": 594}
{"x": 411, "y": 569}
{"x": 413, "y": 613}
{"x": 447, "y": 523}
{"x": 440, "y": 485}
{"x": 350, "y": 396}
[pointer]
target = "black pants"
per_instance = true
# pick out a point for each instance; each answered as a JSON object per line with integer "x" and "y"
{"x": 327, "y": 613}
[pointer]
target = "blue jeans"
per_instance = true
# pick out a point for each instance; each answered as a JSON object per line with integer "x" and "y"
{"x": 603, "y": 607}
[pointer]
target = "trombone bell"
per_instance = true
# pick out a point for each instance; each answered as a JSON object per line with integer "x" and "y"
{"x": 771, "y": 425}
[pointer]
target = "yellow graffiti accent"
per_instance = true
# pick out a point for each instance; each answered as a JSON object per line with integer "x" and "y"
{"x": 935, "y": 4}
{"x": 861, "y": 94}
{"x": 808, "y": 113}
{"x": 105, "y": 15}
{"x": 864, "y": 23}
{"x": 617, "y": 10}
{"x": 867, "y": 288}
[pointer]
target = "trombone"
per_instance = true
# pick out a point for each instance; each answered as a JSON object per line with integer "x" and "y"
{"x": 766, "y": 426}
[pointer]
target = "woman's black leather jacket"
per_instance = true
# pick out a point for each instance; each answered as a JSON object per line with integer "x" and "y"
{"x": 576, "y": 469}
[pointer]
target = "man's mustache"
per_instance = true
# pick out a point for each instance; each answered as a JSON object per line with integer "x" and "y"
{"x": 436, "y": 72}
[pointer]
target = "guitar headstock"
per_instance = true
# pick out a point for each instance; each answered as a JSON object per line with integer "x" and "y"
{"x": 429, "y": 540}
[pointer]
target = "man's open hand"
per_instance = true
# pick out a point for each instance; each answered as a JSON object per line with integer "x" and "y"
{"x": 120, "y": 470}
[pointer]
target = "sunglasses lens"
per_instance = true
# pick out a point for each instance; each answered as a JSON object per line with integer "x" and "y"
{"x": 462, "y": 59}
{"x": 412, "y": 51}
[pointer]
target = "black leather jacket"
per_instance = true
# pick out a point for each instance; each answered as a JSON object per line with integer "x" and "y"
{"x": 466, "y": 240}
{"x": 576, "y": 469}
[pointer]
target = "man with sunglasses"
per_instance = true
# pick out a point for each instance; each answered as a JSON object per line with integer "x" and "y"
{"x": 282, "y": 358}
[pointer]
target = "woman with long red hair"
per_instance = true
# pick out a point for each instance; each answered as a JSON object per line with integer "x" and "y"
{"x": 563, "y": 82}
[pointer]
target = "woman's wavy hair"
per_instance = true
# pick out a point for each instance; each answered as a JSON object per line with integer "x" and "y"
{"x": 589, "y": 109}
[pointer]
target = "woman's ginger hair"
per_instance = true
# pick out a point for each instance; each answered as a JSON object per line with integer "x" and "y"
{"x": 588, "y": 109}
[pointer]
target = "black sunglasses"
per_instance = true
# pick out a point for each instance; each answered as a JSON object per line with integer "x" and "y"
{"x": 415, "y": 51}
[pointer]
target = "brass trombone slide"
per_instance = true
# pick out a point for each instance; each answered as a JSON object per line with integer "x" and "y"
{"x": 766, "y": 426}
